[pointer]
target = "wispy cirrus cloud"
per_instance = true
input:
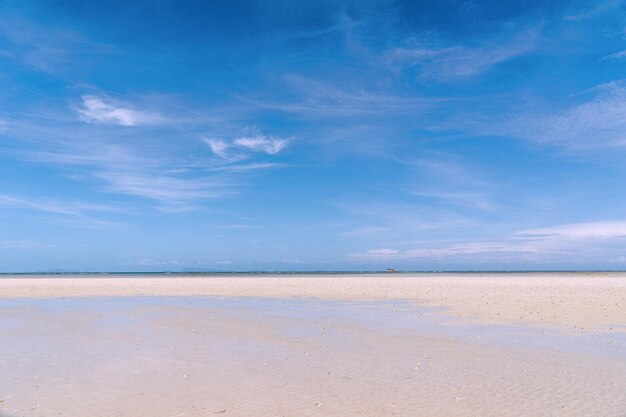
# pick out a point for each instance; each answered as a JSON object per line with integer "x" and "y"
{"x": 21, "y": 244}
{"x": 173, "y": 193}
{"x": 591, "y": 230}
{"x": 45, "y": 48}
{"x": 602, "y": 240}
{"x": 599, "y": 9}
{"x": 246, "y": 167}
{"x": 458, "y": 62}
{"x": 76, "y": 213}
{"x": 165, "y": 180}
{"x": 147, "y": 167}
{"x": 314, "y": 98}
{"x": 596, "y": 123}
{"x": 452, "y": 181}
{"x": 616, "y": 55}
{"x": 447, "y": 252}
{"x": 218, "y": 147}
{"x": 103, "y": 110}
{"x": 393, "y": 221}
{"x": 72, "y": 208}
{"x": 473, "y": 199}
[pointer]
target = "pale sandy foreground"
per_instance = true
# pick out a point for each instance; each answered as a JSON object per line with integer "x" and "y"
{"x": 379, "y": 345}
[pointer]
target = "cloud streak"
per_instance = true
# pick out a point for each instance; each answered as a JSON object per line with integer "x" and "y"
{"x": 21, "y": 244}
{"x": 313, "y": 98}
{"x": 601, "y": 8}
{"x": 94, "y": 109}
{"x": 163, "y": 180}
{"x": 147, "y": 167}
{"x": 597, "y": 123}
{"x": 616, "y": 55}
{"x": 261, "y": 144}
{"x": 176, "y": 194}
{"x": 44, "y": 48}
{"x": 240, "y": 148}
{"x": 459, "y": 62}
{"x": 452, "y": 182}
{"x": 580, "y": 240}
{"x": 592, "y": 230}
{"x": 69, "y": 212}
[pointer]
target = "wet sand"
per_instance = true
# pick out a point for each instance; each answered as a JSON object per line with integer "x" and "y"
{"x": 572, "y": 300}
{"x": 321, "y": 346}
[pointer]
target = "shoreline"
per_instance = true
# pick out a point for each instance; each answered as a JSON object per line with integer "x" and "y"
{"x": 581, "y": 301}
{"x": 307, "y": 273}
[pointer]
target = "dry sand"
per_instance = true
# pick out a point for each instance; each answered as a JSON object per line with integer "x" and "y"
{"x": 573, "y": 300}
{"x": 247, "y": 356}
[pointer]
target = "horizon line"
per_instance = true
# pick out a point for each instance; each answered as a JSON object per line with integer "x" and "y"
{"x": 390, "y": 271}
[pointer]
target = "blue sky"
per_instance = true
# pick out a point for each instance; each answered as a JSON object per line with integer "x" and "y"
{"x": 327, "y": 135}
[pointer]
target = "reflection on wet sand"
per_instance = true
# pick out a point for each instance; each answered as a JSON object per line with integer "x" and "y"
{"x": 198, "y": 356}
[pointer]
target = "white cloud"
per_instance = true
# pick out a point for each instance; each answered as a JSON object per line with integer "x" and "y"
{"x": 455, "y": 62}
{"x": 596, "y": 123}
{"x": 173, "y": 183}
{"x": 54, "y": 206}
{"x": 383, "y": 251}
{"x": 218, "y": 147}
{"x": 449, "y": 180}
{"x": 593, "y": 230}
{"x": 239, "y": 148}
{"x": 67, "y": 212}
{"x": 20, "y": 244}
{"x": 175, "y": 193}
{"x": 247, "y": 167}
{"x": 616, "y": 55}
{"x": 150, "y": 262}
{"x": 569, "y": 242}
{"x": 301, "y": 262}
{"x": 390, "y": 221}
{"x": 454, "y": 250}
{"x": 315, "y": 98}
{"x": 363, "y": 231}
{"x": 96, "y": 109}
{"x": 45, "y": 47}
{"x": 600, "y": 8}
{"x": 261, "y": 144}
{"x": 478, "y": 200}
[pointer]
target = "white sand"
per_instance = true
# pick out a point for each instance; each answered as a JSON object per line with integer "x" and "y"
{"x": 574, "y": 300}
{"x": 94, "y": 356}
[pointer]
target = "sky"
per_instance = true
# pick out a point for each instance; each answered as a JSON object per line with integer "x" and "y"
{"x": 296, "y": 135}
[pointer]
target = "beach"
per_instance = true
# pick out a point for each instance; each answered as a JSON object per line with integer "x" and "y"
{"x": 488, "y": 344}
{"x": 573, "y": 300}
{"x": 376, "y": 208}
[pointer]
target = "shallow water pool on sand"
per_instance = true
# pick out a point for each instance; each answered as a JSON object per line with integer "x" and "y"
{"x": 246, "y": 356}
